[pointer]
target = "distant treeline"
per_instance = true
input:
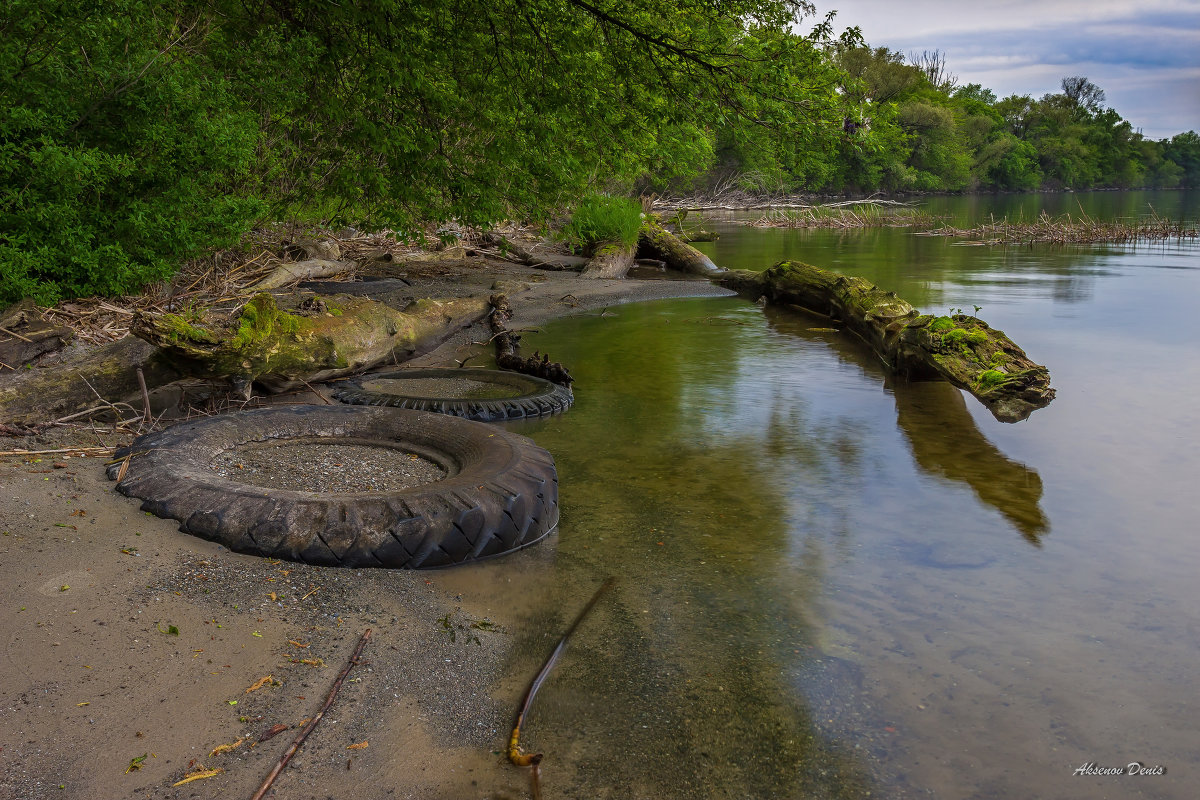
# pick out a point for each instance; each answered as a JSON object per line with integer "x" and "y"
{"x": 916, "y": 129}
{"x": 136, "y": 134}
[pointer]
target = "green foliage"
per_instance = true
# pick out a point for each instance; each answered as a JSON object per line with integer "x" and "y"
{"x": 941, "y": 324}
{"x": 120, "y": 152}
{"x": 600, "y": 219}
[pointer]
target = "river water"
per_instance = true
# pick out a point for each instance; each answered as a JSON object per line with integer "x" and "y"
{"x": 836, "y": 584}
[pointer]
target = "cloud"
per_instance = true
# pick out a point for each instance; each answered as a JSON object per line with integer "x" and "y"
{"x": 1145, "y": 59}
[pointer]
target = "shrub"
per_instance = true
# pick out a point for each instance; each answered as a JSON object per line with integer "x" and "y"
{"x": 119, "y": 154}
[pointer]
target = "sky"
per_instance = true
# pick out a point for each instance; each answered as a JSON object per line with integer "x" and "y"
{"x": 1144, "y": 54}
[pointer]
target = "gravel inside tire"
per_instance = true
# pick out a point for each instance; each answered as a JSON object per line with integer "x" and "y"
{"x": 484, "y": 395}
{"x": 499, "y": 493}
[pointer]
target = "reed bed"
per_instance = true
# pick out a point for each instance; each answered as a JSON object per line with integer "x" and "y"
{"x": 1069, "y": 229}
{"x": 847, "y": 215}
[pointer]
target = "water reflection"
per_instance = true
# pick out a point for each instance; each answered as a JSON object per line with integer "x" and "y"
{"x": 681, "y": 686}
{"x": 942, "y": 436}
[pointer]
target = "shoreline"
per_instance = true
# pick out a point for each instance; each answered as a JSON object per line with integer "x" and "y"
{"x": 124, "y": 637}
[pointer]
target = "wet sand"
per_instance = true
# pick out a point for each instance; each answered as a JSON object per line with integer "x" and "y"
{"x": 125, "y": 638}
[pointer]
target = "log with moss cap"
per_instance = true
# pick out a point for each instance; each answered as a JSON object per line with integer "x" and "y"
{"x": 960, "y": 349}
{"x": 316, "y": 339}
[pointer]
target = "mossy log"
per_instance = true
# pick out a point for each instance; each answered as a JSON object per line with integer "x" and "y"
{"x": 316, "y": 339}
{"x": 107, "y": 374}
{"x": 960, "y": 349}
{"x": 610, "y": 261}
{"x": 655, "y": 241}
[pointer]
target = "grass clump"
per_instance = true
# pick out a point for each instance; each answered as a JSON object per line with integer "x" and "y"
{"x": 600, "y": 219}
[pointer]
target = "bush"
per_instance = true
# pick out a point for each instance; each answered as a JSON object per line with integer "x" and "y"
{"x": 119, "y": 153}
{"x": 600, "y": 219}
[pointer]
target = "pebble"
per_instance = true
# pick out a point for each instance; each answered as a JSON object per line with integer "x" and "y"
{"x": 326, "y": 468}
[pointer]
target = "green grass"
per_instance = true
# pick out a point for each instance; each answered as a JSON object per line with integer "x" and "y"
{"x": 600, "y": 219}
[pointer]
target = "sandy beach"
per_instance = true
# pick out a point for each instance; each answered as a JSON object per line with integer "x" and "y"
{"x": 133, "y": 652}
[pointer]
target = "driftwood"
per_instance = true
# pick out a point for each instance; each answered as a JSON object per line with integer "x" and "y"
{"x": 610, "y": 261}
{"x": 508, "y": 348}
{"x": 108, "y": 373}
{"x": 24, "y": 335}
{"x": 303, "y": 271}
{"x": 655, "y": 241}
{"x": 960, "y": 349}
{"x": 319, "y": 339}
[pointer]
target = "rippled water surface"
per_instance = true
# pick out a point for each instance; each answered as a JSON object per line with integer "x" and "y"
{"x": 834, "y": 584}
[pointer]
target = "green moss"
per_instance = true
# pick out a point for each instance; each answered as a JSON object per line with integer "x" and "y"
{"x": 337, "y": 312}
{"x": 941, "y": 324}
{"x": 999, "y": 358}
{"x": 179, "y": 329}
{"x": 990, "y": 379}
{"x": 977, "y": 337}
{"x": 261, "y": 319}
{"x": 955, "y": 336}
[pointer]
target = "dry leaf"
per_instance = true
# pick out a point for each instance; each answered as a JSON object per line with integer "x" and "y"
{"x": 225, "y": 748}
{"x": 261, "y": 682}
{"x": 359, "y": 746}
{"x": 198, "y": 776}
{"x": 272, "y": 596}
{"x": 274, "y": 730}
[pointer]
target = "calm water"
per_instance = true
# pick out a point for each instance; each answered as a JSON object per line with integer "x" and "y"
{"x": 833, "y": 584}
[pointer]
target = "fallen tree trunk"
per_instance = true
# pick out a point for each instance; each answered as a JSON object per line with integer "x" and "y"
{"x": 108, "y": 373}
{"x": 610, "y": 261}
{"x": 960, "y": 349}
{"x": 24, "y": 335}
{"x": 655, "y": 241}
{"x": 318, "y": 339}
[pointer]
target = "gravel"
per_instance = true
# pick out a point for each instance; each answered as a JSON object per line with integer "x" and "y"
{"x": 437, "y": 388}
{"x": 326, "y": 468}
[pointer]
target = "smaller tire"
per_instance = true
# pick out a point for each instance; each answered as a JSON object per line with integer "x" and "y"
{"x": 504, "y": 396}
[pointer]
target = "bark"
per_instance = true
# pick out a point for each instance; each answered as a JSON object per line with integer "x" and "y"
{"x": 24, "y": 335}
{"x": 111, "y": 370}
{"x": 962, "y": 350}
{"x": 610, "y": 261}
{"x": 655, "y": 241}
{"x": 303, "y": 271}
{"x": 322, "y": 338}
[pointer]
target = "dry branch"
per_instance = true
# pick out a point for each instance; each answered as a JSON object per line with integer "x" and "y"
{"x": 508, "y": 348}
{"x": 312, "y": 723}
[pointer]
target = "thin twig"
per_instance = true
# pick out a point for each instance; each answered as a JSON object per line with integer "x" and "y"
{"x": 48, "y": 452}
{"x": 145, "y": 395}
{"x": 515, "y": 754}
{"x": 17, "y": 335}
{"x": 312, "y": 723}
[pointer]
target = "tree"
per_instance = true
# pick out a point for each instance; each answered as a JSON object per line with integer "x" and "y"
{"x": 1083, "y": 93}
{"x": 137, "y": 133}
